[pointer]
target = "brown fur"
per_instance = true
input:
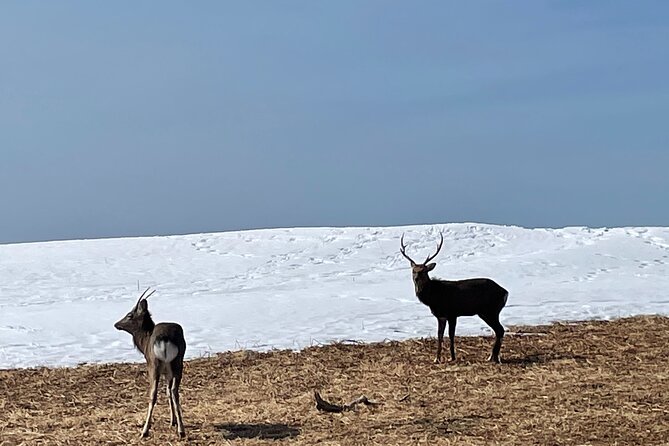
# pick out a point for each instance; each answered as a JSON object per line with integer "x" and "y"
{"x": 145, "y": 333}
{"x": 448, "y": 300}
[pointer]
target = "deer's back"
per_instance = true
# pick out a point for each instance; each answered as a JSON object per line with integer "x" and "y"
{"x": 467, "y": 297}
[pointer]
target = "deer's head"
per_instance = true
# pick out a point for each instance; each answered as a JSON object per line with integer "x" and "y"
{"x": 419, "y": 270}
{"x": 138, "y": 318}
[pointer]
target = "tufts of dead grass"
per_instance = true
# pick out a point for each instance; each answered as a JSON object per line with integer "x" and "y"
{"x": 586, "y": 383}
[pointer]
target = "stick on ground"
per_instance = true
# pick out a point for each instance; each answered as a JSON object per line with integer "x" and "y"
{"x": 324, "y": 406}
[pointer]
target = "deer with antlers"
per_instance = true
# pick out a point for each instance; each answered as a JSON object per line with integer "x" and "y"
{"x": 450, "y": 299}
{"x": 163, "y": 345}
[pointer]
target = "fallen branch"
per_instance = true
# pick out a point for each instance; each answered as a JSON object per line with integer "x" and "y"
{"x": 324, "y": 406}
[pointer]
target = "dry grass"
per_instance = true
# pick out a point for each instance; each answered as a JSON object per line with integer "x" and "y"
{"x": 588, "y": 383}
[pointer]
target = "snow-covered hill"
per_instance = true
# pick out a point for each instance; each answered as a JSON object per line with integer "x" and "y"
{"x": 290, "y": 288}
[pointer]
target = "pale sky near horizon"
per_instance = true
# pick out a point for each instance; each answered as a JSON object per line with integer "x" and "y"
{"x": 149, "y": 118}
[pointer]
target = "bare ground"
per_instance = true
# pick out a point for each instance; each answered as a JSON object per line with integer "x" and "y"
{"x": 586, "y": 383}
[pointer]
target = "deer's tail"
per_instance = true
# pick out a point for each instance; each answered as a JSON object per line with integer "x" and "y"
{"x": 165, "y": 350}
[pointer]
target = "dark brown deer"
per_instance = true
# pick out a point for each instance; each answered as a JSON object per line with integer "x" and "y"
{"x": 450, "y": 299}
{"x": 163, "y": 345}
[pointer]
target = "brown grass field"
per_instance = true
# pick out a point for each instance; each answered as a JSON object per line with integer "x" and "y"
{"x": 604, "y": 383}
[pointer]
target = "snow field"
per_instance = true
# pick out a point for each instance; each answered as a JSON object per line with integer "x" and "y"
{"x": 291, "y": 288}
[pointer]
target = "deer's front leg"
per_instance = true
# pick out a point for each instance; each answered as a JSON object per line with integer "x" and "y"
{"x": 154, "y": 377}
{"x": 451, "y": 336}
{"x": 441, "y": 326}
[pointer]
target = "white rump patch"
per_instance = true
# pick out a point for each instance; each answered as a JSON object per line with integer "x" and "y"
{"x": 166, "y": 351}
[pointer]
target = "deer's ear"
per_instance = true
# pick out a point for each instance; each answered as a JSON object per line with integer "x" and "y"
{"x": 430, "y": 266}
{"x": 142, "y": 305}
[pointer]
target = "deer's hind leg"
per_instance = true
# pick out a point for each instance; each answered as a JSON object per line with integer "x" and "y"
{"x": 177, "y": 369}
{"x": 493, "y": 322}
{"x": 173, "y": 416}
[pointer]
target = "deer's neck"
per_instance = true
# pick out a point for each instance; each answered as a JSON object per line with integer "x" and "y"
{"x": 142, "y": 337}
{"x": 422, "y": 287}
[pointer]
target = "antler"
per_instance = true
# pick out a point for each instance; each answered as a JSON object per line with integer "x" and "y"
{"x": 142, "y": 296}
{"x": 441, "y": 242}
{"x": 402, "y": 251}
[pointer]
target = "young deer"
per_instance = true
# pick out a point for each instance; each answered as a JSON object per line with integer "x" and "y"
{"x": 163, "y": 345}
{"x": 450, "y": 299}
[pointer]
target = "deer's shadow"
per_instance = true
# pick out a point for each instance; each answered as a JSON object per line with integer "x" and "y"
{"x": 263, "y": 431}
{"x": 541, "y": 358}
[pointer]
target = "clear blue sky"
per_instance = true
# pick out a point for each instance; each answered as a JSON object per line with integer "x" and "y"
{"x": 144, "y": 118}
